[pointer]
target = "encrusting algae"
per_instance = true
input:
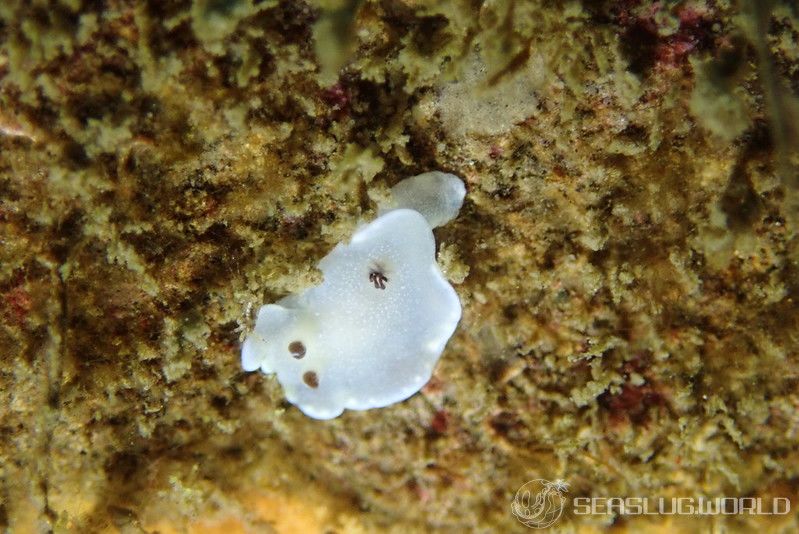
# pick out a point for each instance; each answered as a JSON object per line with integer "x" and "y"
{"x": 626, "y": 258}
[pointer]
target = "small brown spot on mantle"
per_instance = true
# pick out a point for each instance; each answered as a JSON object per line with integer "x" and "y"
{"x": 297, "y": 349}
{"x": 311, "y": 379}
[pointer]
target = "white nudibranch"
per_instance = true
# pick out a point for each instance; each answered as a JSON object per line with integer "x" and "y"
{"x": 436, "y": 195}
{"x": 371, "y": 333}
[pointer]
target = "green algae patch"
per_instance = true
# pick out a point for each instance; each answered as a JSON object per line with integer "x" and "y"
{"x": 215, "y": 20}
{"x": 718, "y": 103}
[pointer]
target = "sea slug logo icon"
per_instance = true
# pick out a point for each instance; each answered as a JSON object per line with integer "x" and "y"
{"x": 539, "y": 503}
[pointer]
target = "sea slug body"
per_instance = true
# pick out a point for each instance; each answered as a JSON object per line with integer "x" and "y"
{"x": 371, "y": 333}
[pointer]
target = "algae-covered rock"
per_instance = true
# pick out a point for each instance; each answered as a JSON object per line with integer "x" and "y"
{"x": 626, "y": 258}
